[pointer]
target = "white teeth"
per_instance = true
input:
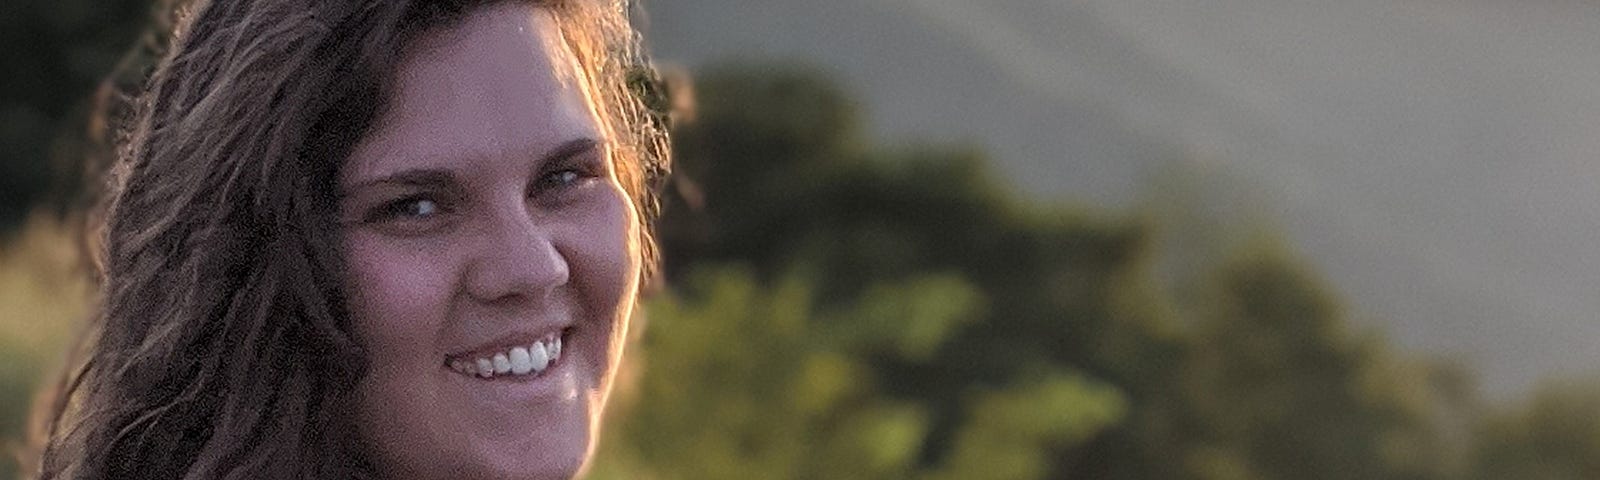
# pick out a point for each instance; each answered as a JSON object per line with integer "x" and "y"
{"x": 521, "y": 362}
{"x": 502, "y": 365}
{"x": 537, "y": 357}
{"x": 533, "y": 358}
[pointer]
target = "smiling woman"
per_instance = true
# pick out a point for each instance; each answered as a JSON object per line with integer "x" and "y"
{"x": 394, "y": 239}
{"x": 485, "y": 231}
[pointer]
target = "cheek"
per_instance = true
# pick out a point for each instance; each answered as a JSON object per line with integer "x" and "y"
{"x": 398, "y": 294}
{"x": 605, "y": 256}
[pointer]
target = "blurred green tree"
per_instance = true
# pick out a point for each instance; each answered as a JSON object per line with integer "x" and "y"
{"x": 802, "y": 190}
{"x": 1555, "y": 436}
{"x": 63, "y": 60}
{"x": 1279, "y": 389}
{"x": 1256, "y": 379}
{"x": 740, "y": 381}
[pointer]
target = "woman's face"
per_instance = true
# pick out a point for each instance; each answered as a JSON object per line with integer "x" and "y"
{"x": 492, "y": 257}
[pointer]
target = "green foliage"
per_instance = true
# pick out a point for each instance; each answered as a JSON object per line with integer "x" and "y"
{"x": 1015, "y": 433}
{"x": 1059, "y": 289}
{"x": 56, "y": 53}
{"x": 43, "y": 295}
{"x": 970, "y": 335}
{"x": 1282, "y": 390}
{"x": 736, "y": 383}
{"x": 939, "y": 303}
{"x": 1556, "y": 436}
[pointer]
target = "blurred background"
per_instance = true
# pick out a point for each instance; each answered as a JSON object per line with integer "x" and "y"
{"x": 1037, "y": 239}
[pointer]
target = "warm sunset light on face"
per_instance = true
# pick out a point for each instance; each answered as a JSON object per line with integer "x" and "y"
{"x": 492, "y": 269}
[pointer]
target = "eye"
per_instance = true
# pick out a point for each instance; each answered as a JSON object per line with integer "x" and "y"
{"x": 421, "y": 208}
{"x": 563, "y": 178}
{"x": 409, "y": 209}
{"x": 566, "y": 179}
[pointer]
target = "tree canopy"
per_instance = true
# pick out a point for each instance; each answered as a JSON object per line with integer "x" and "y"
{"x": 839, "y": 309}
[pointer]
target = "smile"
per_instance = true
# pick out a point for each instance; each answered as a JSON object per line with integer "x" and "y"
{"x": 521, "y": 360}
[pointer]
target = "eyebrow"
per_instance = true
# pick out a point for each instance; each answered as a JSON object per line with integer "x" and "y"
{"x": 439, "y": 177}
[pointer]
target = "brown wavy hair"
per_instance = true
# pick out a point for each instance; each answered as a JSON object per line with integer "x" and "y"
{"x": 222, "y": 346}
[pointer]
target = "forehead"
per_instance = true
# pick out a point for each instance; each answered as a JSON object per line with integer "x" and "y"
{"x": 501, "y": 83}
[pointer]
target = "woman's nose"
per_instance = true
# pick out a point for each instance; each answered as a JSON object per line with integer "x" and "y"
{"x": 517, "y": 258}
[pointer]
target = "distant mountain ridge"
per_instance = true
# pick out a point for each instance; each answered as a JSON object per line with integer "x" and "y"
{"x": 1435, "y": 158}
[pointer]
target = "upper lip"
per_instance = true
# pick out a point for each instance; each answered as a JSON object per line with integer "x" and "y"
{"x": 502, "y": 343}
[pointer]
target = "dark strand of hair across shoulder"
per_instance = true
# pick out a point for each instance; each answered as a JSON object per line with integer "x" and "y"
{"x": 221, "y": 346}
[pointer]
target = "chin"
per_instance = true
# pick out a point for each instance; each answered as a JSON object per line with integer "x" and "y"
{"x": 557, "y": 456}
{"x": 469, "y": 428}
{"x": 554, "y": 442}
{"x": 560, "y": 454}
{"x": 560, "y": 466}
